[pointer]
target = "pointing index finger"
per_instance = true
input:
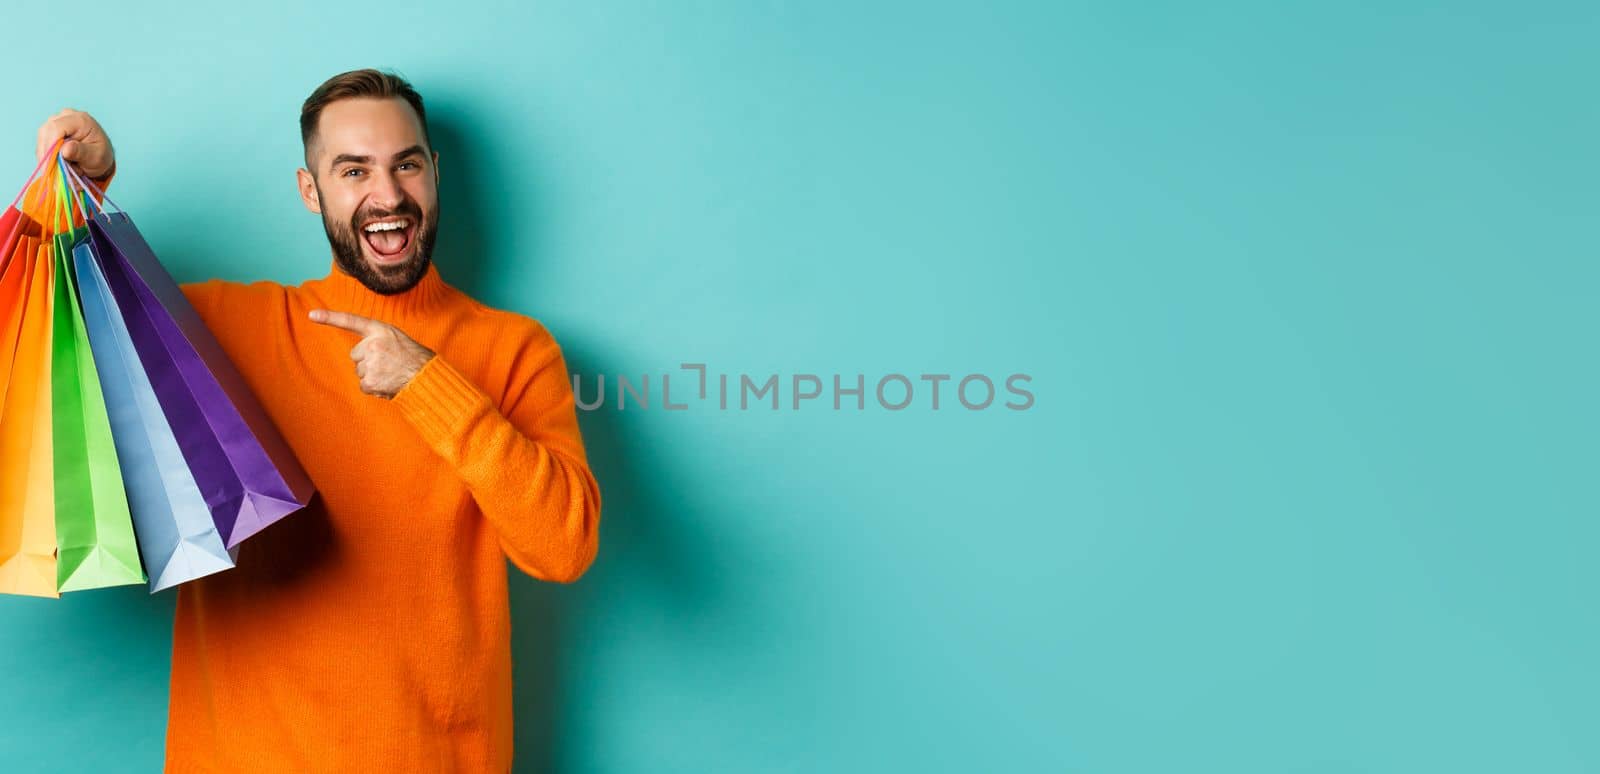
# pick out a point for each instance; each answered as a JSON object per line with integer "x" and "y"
{"x": 354, "y": 323}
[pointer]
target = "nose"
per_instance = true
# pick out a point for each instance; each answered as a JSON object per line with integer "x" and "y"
{"x": 386, "y": 193}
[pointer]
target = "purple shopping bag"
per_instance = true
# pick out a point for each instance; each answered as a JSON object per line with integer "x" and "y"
{"x": 240, "y": 461}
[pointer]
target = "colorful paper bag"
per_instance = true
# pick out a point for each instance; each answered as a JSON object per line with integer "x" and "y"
{"x": 94, "y": 531}
{"x": 243, "y": 465}
{"x": 27, "y": 490}
{"x": 177, "y": 538}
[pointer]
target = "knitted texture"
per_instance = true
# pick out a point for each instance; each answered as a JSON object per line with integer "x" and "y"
{"x": 371, "y": 630}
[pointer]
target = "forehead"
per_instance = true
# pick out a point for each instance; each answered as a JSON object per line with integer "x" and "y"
{"x": 367, "y": 126}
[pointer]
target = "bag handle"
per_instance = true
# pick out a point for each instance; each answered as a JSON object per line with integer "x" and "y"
{"x": 79, "y": 198}
{"x": 47, "y": 157}
{"x": 39, "y": 200}
{"x": 93, "y": 194}
{"x": 62, "y": 210}
{"x": 51, "y": 199}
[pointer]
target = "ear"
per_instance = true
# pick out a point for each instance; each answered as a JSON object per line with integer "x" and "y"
{"x": 436, "y": 169}
{"x": 308, "y": 190}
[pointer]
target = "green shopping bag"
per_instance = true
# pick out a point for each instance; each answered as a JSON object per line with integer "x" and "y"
{"x": 95, "y": 546}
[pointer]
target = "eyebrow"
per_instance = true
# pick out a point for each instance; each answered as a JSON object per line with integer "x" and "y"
{"x": 415, "y": 150}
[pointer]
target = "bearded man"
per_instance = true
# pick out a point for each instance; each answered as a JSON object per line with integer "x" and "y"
{"x": 371, "y": 630}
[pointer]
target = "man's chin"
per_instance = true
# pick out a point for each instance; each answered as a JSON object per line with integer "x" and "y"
{"x": 389, "y": 267}
{"x": 388, "y": 277}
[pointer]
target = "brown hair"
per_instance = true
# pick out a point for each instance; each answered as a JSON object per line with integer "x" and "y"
{"x": 358, "y": 83}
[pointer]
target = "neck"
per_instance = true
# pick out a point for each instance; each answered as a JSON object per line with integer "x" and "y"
{"x": 345, "y": 293}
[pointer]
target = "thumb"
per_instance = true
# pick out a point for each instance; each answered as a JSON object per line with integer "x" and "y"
{"x": 70, "y": 150}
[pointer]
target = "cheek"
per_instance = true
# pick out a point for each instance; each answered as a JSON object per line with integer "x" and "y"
{"x": 423, "y": 193}
{"x": 342, "y": 213}
{"x": 340, "y": 205}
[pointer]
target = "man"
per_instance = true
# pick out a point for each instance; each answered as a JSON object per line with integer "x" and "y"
{"x": 371, "y": 630}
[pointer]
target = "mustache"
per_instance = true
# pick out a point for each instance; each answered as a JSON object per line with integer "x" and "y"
{"x": 407, "y": 208}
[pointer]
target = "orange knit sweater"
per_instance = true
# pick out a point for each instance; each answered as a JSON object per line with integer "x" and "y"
{"x": 371, "y": 631}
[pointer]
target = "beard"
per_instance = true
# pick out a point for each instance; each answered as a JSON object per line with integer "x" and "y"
{"x": 346, "y": 241}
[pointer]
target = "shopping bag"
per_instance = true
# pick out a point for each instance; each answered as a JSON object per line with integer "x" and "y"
{"x": 178, "y": 540}
{"x": 18, "y": 244}
{"x": 27, "y": 496}
{"x": 14, "y": 277}
{"x": 10, "y": 230}
{"x": 131, "y": 449}
{"x": 60, "y": 486}
{"x": 12, "y": 224}
{"x": 241, "y": 462}
{"x": 94, "y": 531}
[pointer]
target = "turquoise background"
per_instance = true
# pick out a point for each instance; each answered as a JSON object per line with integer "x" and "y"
{"x": 1303, "y": 289}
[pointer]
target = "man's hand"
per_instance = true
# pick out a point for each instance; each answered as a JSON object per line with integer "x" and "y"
{"x": 386, "y": 358}
{"x": 86, "y": 142}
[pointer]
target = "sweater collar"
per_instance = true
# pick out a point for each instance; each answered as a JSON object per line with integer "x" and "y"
{"x": 344, "y": 293}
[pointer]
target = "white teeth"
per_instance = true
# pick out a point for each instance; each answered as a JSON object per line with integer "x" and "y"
{"x": 389, "y": 226}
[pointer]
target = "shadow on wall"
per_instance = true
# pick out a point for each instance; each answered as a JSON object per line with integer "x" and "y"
{"x": 463, "y": 249}
{"x": 639, "y": 540}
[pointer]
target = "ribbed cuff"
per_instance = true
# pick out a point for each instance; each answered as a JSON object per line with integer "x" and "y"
{"x": 439, "y": 400}
{"x": 105, "y": 180}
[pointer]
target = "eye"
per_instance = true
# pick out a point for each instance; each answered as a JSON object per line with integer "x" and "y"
{"x": 406, "y": 164}
{"x": 352, "y": 171}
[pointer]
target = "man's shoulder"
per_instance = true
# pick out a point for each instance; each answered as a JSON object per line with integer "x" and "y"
{"x": 507, "y": 325}
{"x": 215, "y": 298}
{"x": 218, "y": 287}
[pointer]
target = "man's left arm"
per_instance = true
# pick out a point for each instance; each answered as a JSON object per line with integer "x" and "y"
{"x": 526, "y": 467}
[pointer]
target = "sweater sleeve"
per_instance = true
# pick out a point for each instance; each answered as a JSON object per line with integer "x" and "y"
{"x": 526, "y": 467}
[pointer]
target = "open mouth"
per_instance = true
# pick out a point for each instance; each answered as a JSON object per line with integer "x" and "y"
{"x": 389, "y": 238}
